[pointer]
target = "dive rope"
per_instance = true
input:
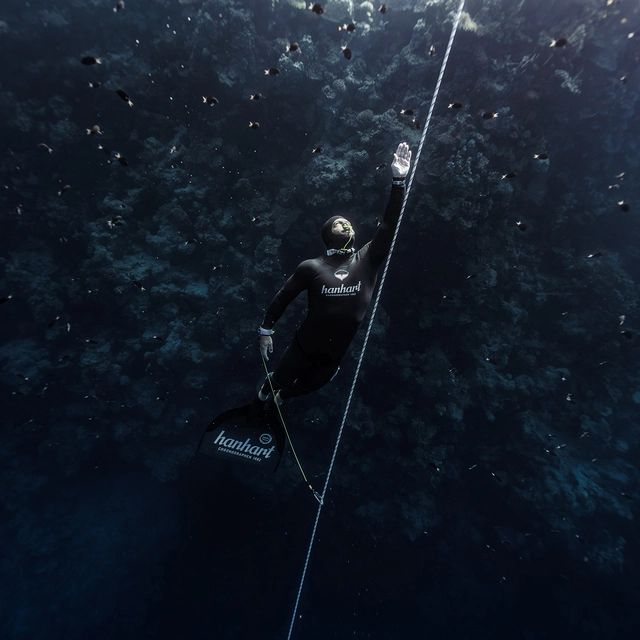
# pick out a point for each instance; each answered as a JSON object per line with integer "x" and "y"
{"x": 373, "y": 313}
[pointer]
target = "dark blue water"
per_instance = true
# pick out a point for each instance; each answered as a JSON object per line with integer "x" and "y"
{"x": 486, "y": 485}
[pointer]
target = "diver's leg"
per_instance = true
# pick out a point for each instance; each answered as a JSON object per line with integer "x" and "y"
{"x": 312, "y": 379}
{"x": 292, "y": 364}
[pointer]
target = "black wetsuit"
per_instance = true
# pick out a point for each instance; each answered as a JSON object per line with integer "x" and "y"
{"x": 339, "y": 288}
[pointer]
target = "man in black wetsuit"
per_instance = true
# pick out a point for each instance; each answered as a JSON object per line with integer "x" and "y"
{"x": 339, "y": 286}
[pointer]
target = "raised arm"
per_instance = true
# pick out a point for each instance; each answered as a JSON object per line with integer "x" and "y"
{"x": 381, "y": 243}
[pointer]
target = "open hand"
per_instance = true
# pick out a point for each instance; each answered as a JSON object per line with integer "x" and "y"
{"x": 401, "y": 161}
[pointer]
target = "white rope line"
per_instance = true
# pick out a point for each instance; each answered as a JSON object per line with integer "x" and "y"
{"x": 373, "y": 313}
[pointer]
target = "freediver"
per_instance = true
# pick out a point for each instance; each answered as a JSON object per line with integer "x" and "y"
{"x": 339, "y": 287}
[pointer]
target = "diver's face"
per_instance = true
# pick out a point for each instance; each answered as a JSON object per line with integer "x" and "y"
{"x": 342, "y": 227}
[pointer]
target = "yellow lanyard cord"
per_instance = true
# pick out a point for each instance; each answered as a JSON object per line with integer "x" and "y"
{"x": 316, "y": 495}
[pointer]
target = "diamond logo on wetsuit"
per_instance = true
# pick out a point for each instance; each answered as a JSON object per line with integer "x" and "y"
{"x": 341, "y": 274}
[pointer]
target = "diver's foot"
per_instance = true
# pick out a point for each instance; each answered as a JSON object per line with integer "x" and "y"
{"x": 272, "y": 404}
{"x": 264, "y": 388}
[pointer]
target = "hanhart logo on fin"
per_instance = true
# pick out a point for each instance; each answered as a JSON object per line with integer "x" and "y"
{"x": 244, "y": 447}
{"x": 341, "y": 274}
{"x": 241, "y": 436}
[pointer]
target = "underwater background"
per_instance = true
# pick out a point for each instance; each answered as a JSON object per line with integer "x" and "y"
{"x": 486, "y": 485}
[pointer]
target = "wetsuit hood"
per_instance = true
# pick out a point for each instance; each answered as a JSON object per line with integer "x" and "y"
{"x": 333, "y": 240}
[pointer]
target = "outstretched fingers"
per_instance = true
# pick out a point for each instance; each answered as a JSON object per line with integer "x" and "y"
{"x": 403, "y": 151}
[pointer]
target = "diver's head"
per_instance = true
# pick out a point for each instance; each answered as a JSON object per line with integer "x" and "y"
{"x": 338, "y": 234}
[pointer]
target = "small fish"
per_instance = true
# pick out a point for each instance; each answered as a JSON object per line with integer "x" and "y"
{"x": 94, "y": 130}
{"x": 415, "y": 123}
{"x": 139, "y": 285}
{"x": 124, "y": 96}
{"x": 348, "y": 27}
{"x": 119, "y": 6}
{"x": 274, "y": 71}
{"x": 107, "y": 151}
{"x": 52, "y": 323}
{"x": 498, "y": 478}
{"x": 294, "y": 46}
{"x": 89, "y": 60}
{"x": 210, "y": 100}
{"x": 621, "y": 319}
{"x": 626, "y": 334}
{"x": 346, "y": 52}
{"x": 5, "y": 299}
{"x": 63, "y": 240}
{"x": 597, "y": 254}
{"x": 633, "y": 34}
{"x": 90, "y": 341}
{"x": 407, "y": 112}
{"x": 383, "y": 8}
{"x": 64, "y": 189}
{"x": 316, "y": 7}
{"x": 624, "y": 79}
{"x": 623, "y": 206}
{"x": 455, "y": 105}
{"x": 317, "y": 150}
{"x": 122, "y": 160}
{"x": 613, "y": 186}
{"x": 116, "y": 221}
{"x": 256, "y": 96}
{"x": 446, "y": 297}
{"x": 432, "y": 50}
{"x": 472, "y": 275}
{"x": 487, "y": 115}
{"x": 192, "y": 241}
{"x": 159, "y": 338}
{"x": 540, "y": 156}
{"x": 522, "y": 226}
{"x": 95, "y": 85}
{"x": 473, "y": 466}
{"x": 381, "y": 166}
{"x": 173, "y": 149}
{"x": 510, "y": 174}
{"x": 45, "y": 147}
{"x": 254, "y": 125}
{"x": 626, "y": 495}
{"x": 560, "y": 42}
{"x": 620, "y": 176}
{"x": 434, "y": 466}
{"x": 491, "y": 360}
{"x": 570, "y": 399}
